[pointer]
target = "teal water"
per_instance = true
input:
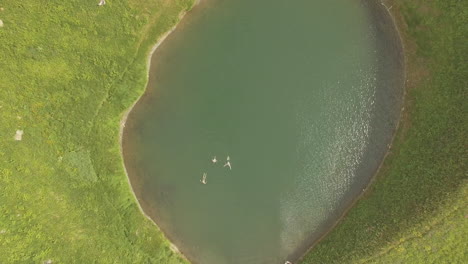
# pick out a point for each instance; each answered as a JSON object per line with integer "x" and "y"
{"x": 303, "y": 96}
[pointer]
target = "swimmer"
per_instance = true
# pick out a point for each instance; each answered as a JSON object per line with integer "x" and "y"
{"x": 203, "y": 180}
{"x": 228, "y": 164}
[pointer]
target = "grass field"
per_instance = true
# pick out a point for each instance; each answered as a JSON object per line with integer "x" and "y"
{"x": 415, "y": 211}
{"x": 69, "y": 69}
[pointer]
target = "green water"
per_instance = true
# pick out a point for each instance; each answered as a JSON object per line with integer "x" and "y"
{"x": 294, "y": 92}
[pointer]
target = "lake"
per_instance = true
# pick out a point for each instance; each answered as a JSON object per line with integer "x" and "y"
{"x": 302, "y": 96}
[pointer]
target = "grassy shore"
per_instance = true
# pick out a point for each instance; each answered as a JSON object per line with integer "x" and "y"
{"x": 415, "y": 211}
{"x": 69, "y": 69}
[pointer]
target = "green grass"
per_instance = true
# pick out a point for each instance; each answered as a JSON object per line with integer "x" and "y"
{"x": 415, "y": 212}
{"x": 69, "y": 69}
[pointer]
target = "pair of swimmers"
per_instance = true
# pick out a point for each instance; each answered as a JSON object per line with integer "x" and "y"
{"x": 227, "y": 164}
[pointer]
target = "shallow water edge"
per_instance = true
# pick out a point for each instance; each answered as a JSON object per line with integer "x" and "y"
{"x": 124, "y": 118}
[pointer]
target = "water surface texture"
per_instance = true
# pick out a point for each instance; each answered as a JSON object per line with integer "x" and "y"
{"x": 303, "y": 96}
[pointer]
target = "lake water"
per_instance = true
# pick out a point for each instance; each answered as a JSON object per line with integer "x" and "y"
{"x": 303, "y": 96}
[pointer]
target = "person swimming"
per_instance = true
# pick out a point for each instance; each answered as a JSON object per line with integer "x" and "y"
{"x": 203, "y": 180}
{"x": 228, "y": 164}
{"x": 214, "y": 160}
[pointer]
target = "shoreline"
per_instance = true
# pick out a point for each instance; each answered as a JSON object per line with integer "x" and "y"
{"x": 395, "y": 24}
{"x": 123, "y": 121}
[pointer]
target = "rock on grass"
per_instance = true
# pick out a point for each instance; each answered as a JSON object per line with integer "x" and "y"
{"x": 19, "y": 135}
